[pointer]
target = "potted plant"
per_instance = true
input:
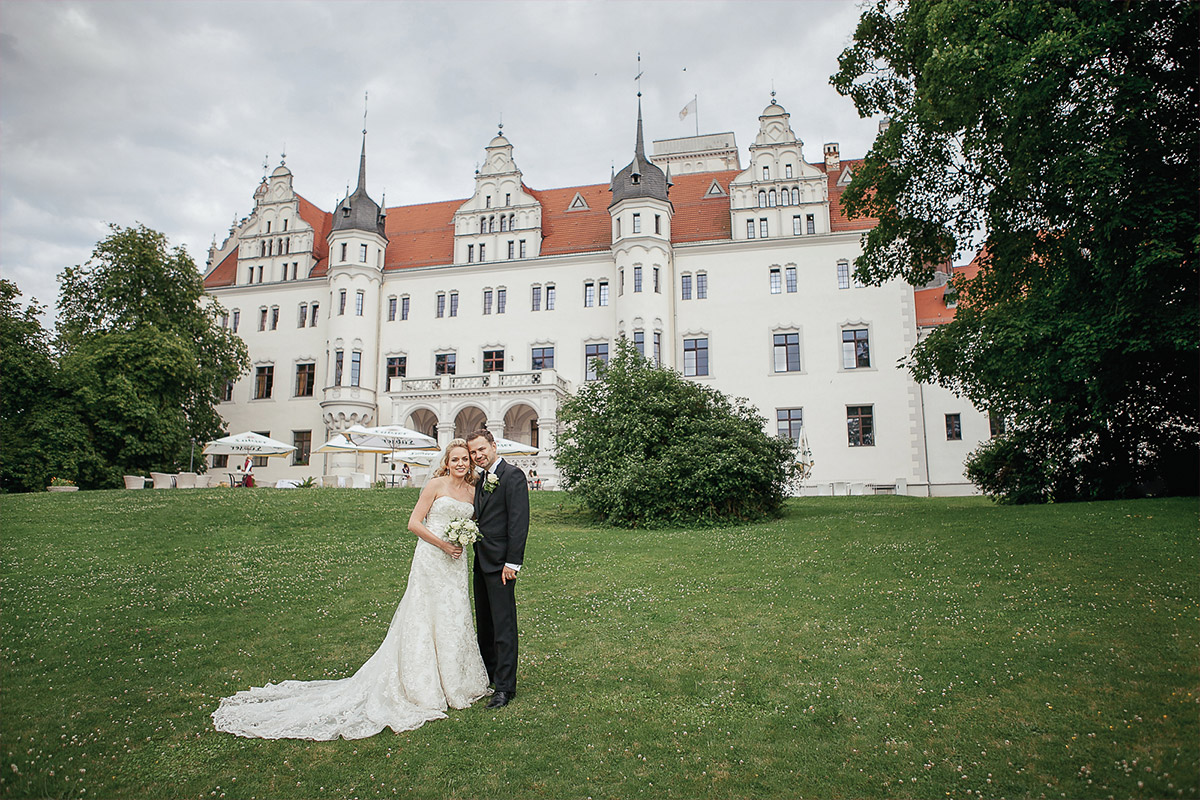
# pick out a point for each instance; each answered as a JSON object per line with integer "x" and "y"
{"x": 62, "y": 485}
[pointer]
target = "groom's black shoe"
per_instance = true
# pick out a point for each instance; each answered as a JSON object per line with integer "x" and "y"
{"x": 500, "y": 699}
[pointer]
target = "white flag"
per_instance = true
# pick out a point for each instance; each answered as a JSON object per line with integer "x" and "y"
{"x": 690, "y": 108}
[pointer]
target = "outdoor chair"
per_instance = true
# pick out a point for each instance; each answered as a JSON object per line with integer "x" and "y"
{"x": 162, "y": 480}
{"x": 185, "y": 480}
{"x": 135, "y": 482}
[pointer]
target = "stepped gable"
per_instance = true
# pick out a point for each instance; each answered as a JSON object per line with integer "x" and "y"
{"x": 700, "y": 217}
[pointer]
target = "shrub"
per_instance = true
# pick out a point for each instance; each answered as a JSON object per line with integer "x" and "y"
{"x": 644, "y": 447}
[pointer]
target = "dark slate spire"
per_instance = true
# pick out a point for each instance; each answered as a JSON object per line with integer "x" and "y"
{"x": 358, "y": 211}
{"x": 641, "y": 178}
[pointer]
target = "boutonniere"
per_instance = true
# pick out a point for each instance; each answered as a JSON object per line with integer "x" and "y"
{"x": 491, "y": 482}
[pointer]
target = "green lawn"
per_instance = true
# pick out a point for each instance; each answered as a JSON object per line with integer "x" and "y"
{"x": 858, "y": 647}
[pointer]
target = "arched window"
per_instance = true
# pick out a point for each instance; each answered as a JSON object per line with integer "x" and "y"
{"x": 512, "y": 221}
{"x": 762, "y": 198}
{"x": 503, "y": 223}
{"x": 771, "y": 198}
{"x": 795, "y": 196}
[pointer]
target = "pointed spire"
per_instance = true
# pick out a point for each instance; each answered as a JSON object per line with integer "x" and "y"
{"x": 362, "y": 166}
{"x": 639, "y": 149}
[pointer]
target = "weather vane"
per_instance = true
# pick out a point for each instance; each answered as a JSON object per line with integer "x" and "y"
{"x": 640, "y": 73}
{"x": 364, "y": 113}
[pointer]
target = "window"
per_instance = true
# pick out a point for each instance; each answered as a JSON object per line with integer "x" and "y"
{"x": 771, "y": 201}
{"x": 796, "y": 225}
{"x": 260, "y": 270}
{"x": 404, "y": 308}
{"x": 397, "y": 367}
{"x": 220, "y": 462}
{"x": 701, "y": 285}
{"x": 657, "y": 281}
{"x": 542, "y": 358}
{"x": 750, "y": 229}
{"x": 995, "y": 424}
{"x": 344, "y": 251}
{"x": 362, "y": 253}
{"x": 355, "y": 368}
{"x": 789, "y": 423}
{"x": 551, "y": 294}
{"x": 860, "y": 426}
{"x": 511, "y": 249}
{"x": 306, "y": 379}
{"x": 762, "y": 228}
{"x": 454, "y": 304}
{"x": 657, "y": 347}
{"x": 501, "y": 295}
{"x": 303, "y": 442}
{"x": 795, "y": 196}
{"x": 954, "y": 427}
{"x": 493, "y": 361}
{"x": 262, "y": 319}
{"x": 791, "y": 279}
{"x": 261, "y": 461}
{"x": 787, "y": 352}
{"x": 342, "y": 302}
{"x": 637, "y": 279}
{"x": 811, "y": 223}
{"x": 487, "y": 301}
{"x": 392, "y": 309}
{"x": 227, "y": 392}
{"x": 507, "y": 199}
{"x": 695, "y": 357}
{"x": 637, "y": 223}
{"x": 603, "y": 293}
{"x": 766, "y": 173}
{"x": 470, "y": 254}
{"x": 359, "y": 297}
{"x": 237, "y": 318}
{"x": 441, "y": 305}
{"x": 639, "y": 342}
{"x": 443, "y": 364}
{"x": 589, "y": 294}
{"x": 536, "y": 299}
{"x": 593, "y": 353}
{"x": 776, "y": 282}
{"x": 787, "y": 170}
{"x": 856, "y": 349}
{"x": 285, "y": 222}
{"x": 487, "y": 201}
{"x": 268, "y": 226}
{"x": 843, "y": 274}
{"x": 618, "y": 222}
{"x": 491, "y": 229}
{"x": 338, "y": 358}
{"x": 481, "y": 258}
{"x": 762, "y": 198}
{"x": 686, "y": 286}
{"x": 783, "y": 197}
{"x": 302, "y": 317}
{"x": 503, "y": 223}
{"x": 658, "y": 223}
{"x": 274, "y": 318}
{"x": 264, "y": 382}
{"x": 522, "y": 247}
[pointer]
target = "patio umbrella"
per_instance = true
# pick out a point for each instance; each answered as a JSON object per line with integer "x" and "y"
{"x": 386, "y": 438}
{"x": 507, "y": 447}
{"x": 414, "y": 458}
{"x": 338, "y": 444}
{"x": 248, "y": 443}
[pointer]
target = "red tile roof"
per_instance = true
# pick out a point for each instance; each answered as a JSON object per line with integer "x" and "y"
{"x": 837, "y": 217}
{"x": 931, "y": 303}
{"x": 423, "y": 235}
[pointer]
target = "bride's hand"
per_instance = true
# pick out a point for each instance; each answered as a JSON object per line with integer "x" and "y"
{"x": 452, "y": 550}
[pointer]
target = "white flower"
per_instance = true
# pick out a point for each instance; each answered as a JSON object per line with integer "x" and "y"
{"x": 463, "y": 532}
{"x": 491, "y": 482}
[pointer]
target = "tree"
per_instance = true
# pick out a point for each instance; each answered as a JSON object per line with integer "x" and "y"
{"x": 144, "y": 352}
{"x": 646, "y": 448}
{"x": 41, "y": 435}
{"x": 1068, "y": 132}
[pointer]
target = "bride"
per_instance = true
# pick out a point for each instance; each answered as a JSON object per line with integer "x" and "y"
{"x": 428, "y": 661}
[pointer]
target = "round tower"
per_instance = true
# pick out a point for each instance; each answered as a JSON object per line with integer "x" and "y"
{"x": 641, "y": 246}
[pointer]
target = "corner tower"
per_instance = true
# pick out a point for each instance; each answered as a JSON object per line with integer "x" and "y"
{"x": 641, "y": 246}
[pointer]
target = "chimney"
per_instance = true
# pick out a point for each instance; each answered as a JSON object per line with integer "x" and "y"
{"x": 833, "y": 159}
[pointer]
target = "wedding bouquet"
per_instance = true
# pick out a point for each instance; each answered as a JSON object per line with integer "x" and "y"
{"x": 463, "y": 532}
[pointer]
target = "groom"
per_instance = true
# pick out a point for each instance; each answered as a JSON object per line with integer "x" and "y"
{"x": 502, "y": 513}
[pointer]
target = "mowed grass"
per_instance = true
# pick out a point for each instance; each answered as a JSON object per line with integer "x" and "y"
{"x": 857, "y": 647}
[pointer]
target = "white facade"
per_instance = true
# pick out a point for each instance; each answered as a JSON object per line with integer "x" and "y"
{"x": 486, "y": 311}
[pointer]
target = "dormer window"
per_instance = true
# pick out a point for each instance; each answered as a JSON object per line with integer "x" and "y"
{"x": 345, "y": 212}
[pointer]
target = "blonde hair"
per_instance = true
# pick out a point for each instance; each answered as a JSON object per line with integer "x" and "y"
{"x": 443, "y": 467}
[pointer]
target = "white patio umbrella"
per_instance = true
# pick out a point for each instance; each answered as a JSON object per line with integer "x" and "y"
{"x": 414, "y": 458}
{"x": 338, "y": 444}
{"x": 507, "y": 447}
{"x": 248, "y": 443}
{"x": 386, "y": 438}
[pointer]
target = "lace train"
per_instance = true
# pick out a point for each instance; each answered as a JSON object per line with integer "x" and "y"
{"x": 428, "y": 661}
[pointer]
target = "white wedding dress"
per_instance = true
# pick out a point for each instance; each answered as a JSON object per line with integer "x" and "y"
{"x": 429, "y": 660}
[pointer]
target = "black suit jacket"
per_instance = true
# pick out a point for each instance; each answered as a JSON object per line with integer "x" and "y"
{"x": 503, "y": 518}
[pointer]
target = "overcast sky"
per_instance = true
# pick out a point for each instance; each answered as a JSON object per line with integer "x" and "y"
{"x": 162, "y": 113}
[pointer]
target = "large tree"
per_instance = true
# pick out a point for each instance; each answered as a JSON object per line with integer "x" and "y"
{"x": 1067, "y": 132}
{"x": 645, "y": 448}
{"x": 144, "y": 352}
{"x": 41, "y": 434}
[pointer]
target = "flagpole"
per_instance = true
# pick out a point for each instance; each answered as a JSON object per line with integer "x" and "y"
{"x": 696, "y": 100}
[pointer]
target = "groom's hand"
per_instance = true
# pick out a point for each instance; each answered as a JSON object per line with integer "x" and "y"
{"x": 507, "y": 574}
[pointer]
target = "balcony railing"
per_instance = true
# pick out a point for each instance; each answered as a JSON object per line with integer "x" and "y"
{"x": 534, "y": 379}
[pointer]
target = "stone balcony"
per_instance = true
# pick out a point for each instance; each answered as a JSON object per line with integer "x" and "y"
{"x": 535, "y": 381}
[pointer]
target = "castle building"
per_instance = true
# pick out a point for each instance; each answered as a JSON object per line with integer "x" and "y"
{"x": 449, "y": 316}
